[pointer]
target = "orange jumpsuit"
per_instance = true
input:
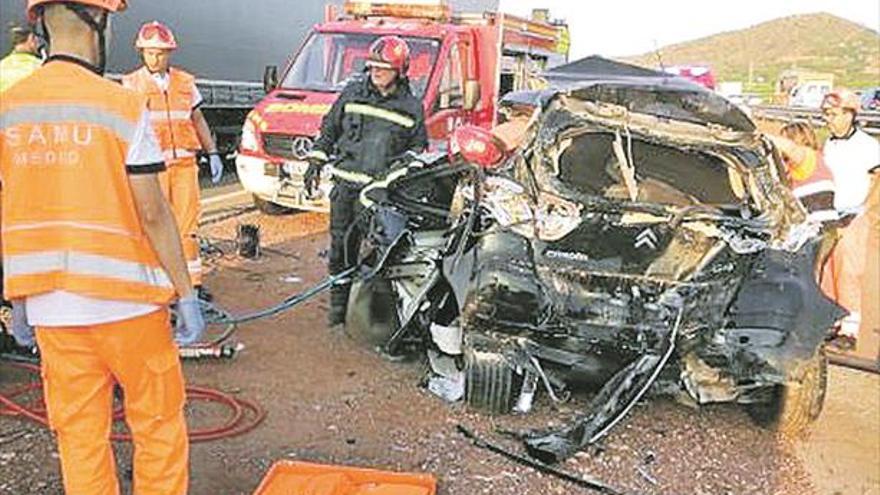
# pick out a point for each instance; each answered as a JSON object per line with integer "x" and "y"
{"x": 171, "y": 114}
{"x": 73, "y": 139}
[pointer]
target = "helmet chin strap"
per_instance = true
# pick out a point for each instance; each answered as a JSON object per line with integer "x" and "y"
{"x": 99, "y": 26}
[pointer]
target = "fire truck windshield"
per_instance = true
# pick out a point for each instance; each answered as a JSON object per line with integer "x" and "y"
{"x": 329, "y": 60}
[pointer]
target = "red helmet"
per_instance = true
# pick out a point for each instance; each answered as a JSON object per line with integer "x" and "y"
{"x": 389, "y": 52}
{"x": 155, "y": 35}
{"x": 843, "y": 99}
{"x": 108, "y": 5}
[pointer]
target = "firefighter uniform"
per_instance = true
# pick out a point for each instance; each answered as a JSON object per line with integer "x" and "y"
{"x": 366, "y": 131}
{"x": 171, "y": 110}
{"x": 89, "y": 278}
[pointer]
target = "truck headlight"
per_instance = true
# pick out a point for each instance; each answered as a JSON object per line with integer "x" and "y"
{"x": 249, "y": 141}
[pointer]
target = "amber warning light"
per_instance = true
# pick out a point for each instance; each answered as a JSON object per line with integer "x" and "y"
{"x": 423, "y": 9}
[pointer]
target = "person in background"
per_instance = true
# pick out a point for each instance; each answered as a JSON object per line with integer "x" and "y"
{"x": 23, "y": 59}
{"x": 174, "y": 100}
{"x": 811, "y": 180}
{"x": 851, "y": 154}
{"x": 868, "y": 342}
{"x": 96, "y": 264}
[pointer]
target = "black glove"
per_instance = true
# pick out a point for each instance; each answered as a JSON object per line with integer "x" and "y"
{"x": 312, "y": 177}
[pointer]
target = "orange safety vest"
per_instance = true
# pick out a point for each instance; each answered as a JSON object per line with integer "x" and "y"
{"x": 813, "y": 184}
{"x": 68, "y": 214}
{"x": 170, "y": 111}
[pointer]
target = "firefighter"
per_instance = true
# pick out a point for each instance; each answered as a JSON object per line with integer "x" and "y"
{"x": 95, "y": 266}
{"x": 174, "y": 101}
{"x": 23, "y": 59}
{"x": 375, "y": 121}
{"x": 851, "y": 154}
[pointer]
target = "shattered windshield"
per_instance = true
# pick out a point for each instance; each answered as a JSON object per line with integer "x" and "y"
{"x": 329, "y": 60}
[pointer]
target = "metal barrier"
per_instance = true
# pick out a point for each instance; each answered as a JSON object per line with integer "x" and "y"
{"x": 218, "y": 93}
{"x": 870, "y": 121}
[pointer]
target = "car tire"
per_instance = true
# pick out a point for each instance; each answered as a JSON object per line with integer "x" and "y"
{"x": 270, "y": 208}
{"x": 369, "y": 315}
{"x": 490, "y": 382}
{"x": 798, "y": 403}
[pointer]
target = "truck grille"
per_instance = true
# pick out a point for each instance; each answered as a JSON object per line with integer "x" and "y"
{"x": 285, "y": 146}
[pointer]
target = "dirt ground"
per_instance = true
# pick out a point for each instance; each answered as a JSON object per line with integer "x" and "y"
{"x": 331, "y": 401}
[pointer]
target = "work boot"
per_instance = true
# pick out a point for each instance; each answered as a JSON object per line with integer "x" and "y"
{"x": 203, "y": 293}
{"x": 338, "y": 305}
{"x": 336, "y": 316}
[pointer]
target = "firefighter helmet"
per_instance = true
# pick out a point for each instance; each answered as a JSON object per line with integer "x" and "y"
{"x": 108, "y": 5}
{"x": 155, "y": 35}
{"x": 389, "y": 52}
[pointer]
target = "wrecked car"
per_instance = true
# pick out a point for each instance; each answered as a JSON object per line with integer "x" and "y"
{"x": 638, "y": 237}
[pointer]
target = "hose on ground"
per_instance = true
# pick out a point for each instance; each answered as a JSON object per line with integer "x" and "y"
{"x": 243, "y": 415}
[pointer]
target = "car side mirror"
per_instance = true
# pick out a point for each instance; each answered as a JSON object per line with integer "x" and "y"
{"x": 471, "y": 94}
{"x": 270, "y": 78}
{"x": 478, "y": 146}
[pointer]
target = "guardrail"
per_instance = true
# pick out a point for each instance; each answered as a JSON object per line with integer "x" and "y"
{"x": 219, "y": 94}
{"x": 230, "y": 94}
{"x": 870, "y": 121}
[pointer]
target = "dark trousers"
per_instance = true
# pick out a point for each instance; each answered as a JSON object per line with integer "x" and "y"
{"x": 345, "y": 240}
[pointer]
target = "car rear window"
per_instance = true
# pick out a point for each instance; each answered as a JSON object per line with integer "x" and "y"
{"x": 664, "y": 174}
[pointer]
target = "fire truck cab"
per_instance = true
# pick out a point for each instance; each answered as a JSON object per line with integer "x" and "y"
{"x": 461, "y": 64}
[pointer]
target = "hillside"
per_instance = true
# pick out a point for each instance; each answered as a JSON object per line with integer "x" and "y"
{"x": 820, "y": 42}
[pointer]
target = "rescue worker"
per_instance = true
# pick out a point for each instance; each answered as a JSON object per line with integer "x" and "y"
{"x": 868, "y": 343}
{"x": 375, "y": 121}
{"x": 23, "y": 59}
{"x": 95, "y": 266}
{"x": 811, "y": 180}
{"x": 851, "y": 154}
{"x": 173, "y": 101}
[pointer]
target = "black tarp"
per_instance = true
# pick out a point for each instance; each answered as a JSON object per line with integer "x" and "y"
{"x": 598, "y": 67}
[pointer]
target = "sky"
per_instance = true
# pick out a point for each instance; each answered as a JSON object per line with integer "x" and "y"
{"x": 632, "y": 27}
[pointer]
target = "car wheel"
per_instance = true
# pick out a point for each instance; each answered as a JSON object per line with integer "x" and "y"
{"x": 489, "y": 382}
{"x": 370, "y": 317}
{"x": 269, "y": 207}
{"x": 795, "y": 405}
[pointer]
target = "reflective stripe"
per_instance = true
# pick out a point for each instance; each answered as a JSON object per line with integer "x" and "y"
{"x": 318, "y": 154}
{"x": 178, "y": 153}
{"x": 348, "y": 175}
{"x": 813, "y": 188}
{"x": 70, "y": 224}
{"x": 823, "y": 216}
{"x": 194, "y": 266}
{"x": 173, "y": 114}
{"x": 84, "y": 264}
{"x": 56, "y": 114}
{"x": 380, "y": 113}
{"x": 388, "y": 179}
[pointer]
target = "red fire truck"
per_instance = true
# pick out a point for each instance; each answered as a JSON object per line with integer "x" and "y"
{"x": 461, "y": 64}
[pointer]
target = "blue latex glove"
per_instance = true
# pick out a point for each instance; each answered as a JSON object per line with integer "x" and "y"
{"x": 21, "y": 331}
{"x": 190, "y": 323}
{"x": 216, "y": 167}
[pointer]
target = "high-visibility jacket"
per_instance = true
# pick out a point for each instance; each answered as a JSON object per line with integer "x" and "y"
{"x": 813, "y": 183}
{"x": 68, "y": 214}
{"x": 170, "y": 111}
{"x": 15, "y": 67}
